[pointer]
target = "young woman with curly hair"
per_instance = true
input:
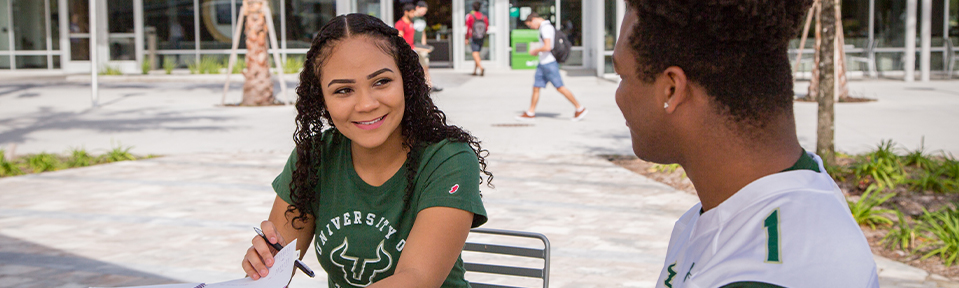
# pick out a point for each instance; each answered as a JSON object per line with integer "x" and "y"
{"x": 707, "y": 84}
{"x": 383, "y": 187}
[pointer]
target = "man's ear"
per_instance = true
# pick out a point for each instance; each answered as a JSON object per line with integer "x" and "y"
{"x": 676, "y": 89}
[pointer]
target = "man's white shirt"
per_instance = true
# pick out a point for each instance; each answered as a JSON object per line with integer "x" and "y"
{"x": 546, "y": 31}
{"x": 791, "y": 229}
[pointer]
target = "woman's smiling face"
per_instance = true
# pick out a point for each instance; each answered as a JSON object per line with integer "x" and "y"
{"x": 363, "y": 91}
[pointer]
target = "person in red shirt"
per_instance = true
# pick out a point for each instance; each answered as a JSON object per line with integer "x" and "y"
{"x": 476, "y": 39}
{"x": 405, "y": 24}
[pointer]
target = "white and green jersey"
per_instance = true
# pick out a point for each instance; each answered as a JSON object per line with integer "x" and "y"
{"x": 789, "y": 229}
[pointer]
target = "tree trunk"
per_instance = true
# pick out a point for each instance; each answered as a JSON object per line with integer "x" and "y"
{"x": 817, "y": 46}
{"x": 258, "y": 87}
{"x": 827, "y": 84}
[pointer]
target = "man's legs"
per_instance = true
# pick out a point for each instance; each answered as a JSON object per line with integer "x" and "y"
{"x": 532, "y": 104}
{"x": 569, "y": 96}
{"x": 476, "y": 59}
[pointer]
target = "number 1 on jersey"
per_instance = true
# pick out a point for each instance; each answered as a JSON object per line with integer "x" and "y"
{"x": 772, "y": 237}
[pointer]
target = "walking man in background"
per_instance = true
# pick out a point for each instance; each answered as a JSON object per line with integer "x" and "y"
{"x": 419, "y": 43}
{"x": 476, "y": 24}
{"x": 548, "y": 69}
{"x": 405, "y": 24}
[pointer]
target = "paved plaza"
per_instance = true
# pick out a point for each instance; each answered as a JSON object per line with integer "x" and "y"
{"x": 187, "y": 216}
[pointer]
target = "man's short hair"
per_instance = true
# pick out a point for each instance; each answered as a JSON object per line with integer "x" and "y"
{"x": 531, "y": 16}
{"x": 409, "y": 7}
{"x": 477, "y": 5}
{"x": 736, "y": 50}
{"x": 421, "y": 4}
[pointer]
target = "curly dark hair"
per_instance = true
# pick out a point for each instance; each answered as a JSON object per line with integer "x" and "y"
{"x": 423, "y": 123}
{"x": 735, "y": 49}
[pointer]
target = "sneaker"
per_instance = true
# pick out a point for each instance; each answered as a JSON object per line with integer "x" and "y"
{"x": 579, "y": 115}
{"x": 436, "y": 89}
{"x": 526, "y": 116}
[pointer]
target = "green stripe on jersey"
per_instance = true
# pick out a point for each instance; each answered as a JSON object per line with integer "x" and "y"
{"x": 805, "y": 162}
{"x": 751, "y": 284}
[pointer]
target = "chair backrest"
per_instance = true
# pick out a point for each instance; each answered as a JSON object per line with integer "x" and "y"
{"x": 510, "y": 251}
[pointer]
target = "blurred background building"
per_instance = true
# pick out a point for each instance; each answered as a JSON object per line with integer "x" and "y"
{"x": 55, "y": 34}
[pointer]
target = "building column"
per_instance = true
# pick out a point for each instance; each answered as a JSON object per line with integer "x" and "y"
{"x": 910, "y": 39}
{"x": 598, "y": 42}
{"x": 138, "y": 32}
{"x": 344, "y": 7}
{"x": 502, "y": 32}
{"x": 459, "y": 33}
{"x": 926, "y": 46}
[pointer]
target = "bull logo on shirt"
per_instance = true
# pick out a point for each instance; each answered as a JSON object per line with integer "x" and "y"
{"x": 360, "y": 271}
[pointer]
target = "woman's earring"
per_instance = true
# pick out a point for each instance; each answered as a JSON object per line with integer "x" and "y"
{"x": 666, "y": 105}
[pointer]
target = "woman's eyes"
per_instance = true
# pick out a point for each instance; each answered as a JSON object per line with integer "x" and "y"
{"x": 347, "y": 90}
{"x": 382, "y": 82}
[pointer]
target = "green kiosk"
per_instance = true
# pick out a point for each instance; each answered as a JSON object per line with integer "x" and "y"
{"x": 523, "y": 40}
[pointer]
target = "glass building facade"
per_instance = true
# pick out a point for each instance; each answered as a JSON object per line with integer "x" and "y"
{"x": 55, "y": 34}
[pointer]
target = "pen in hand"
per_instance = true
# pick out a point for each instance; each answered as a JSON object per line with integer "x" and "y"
{"x": 299, "y": 264}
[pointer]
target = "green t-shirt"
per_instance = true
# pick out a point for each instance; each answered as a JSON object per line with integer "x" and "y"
{"x": 419, "y": 25}
{"x": 361, "y": 229}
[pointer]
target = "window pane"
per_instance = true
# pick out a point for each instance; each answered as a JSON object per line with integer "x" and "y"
{"x": 32, "y": 62}
{"x": 173, "y": 21}
{"x": 122, "y": 48}
{"x": 79, "y": 16}
{"x": 55, "y": 24}
{"x": 890, "y": 23}
{"x": 216, "y": 24}
{"x": 371, "y": 7}
{"x": 29, "y": 27}
{"x": 120, "y": 16}
{"x": 80, "y": 49}
{"x": 56, "y": 61}
{"x": 610, "y": 25}
{"x": 572, "y": 20}
{"x": 4, "y": 33}
{"x": 4, "y": 61}
{"x": 304, "y": 18}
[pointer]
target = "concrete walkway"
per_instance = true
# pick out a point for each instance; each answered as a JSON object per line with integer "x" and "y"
{"x": 187, "y": 216}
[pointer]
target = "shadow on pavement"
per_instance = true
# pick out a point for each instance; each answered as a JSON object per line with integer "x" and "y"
{"x": 26, "y": 264}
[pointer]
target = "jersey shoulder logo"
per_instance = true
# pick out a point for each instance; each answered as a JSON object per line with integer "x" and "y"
{"x": 672, "y": 273}
{"x": 454, "y": 188}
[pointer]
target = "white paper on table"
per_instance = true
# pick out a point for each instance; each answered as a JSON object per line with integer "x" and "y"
{"x": 280, "y": 274}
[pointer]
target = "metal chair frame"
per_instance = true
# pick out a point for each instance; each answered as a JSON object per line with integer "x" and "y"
{"x": 869, "y": 58}
{"x": 511, "y": 251}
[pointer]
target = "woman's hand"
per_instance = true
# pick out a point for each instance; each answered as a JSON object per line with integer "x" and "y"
{"x": 260, "y": 256}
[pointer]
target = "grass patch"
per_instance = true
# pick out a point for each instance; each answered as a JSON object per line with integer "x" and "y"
{"x": 944, "y": 225}
{"x": 43, "y": 162}
{"x": 238, "y": 66}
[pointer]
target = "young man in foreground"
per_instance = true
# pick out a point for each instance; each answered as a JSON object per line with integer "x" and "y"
{"x": 707, "y": 84}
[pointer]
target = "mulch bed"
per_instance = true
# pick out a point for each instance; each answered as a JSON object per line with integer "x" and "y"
{"x": 909, "y": 202}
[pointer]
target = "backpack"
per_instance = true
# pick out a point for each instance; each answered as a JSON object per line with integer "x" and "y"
{"x": 479, "y": 27}
{"x": 561, "y": 46}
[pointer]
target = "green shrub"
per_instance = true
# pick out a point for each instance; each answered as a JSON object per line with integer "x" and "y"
{"x": 80, "y": 158}
{"x": 944, "y": 224}
{"x": 238, "y": 66}
{"x": 864, "y": 210}
{"x": 919, "y": 158}
{"x": 119, "y": 154}
{"x": 901, "y": 236}
{"x": 206, "y": 65}
{"x": 930, "y": 180}
{"x": 8, "y": 168}
{"x": 293, "y": 65}
{"x": 145, "y": 67}
{"x": 110, "y": 70}
{"x": 168, "y": 65}
{"x": 43, "y": 162}
{"x": 883, "y": 165}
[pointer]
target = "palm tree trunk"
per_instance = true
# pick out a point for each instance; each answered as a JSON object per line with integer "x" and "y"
{"x": 827, "y": 82}
{"x": 817, "y": 46}
{"x": 258, "y": 87}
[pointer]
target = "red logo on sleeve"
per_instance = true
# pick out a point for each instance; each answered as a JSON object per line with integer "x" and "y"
{"x": 454, "y": 188}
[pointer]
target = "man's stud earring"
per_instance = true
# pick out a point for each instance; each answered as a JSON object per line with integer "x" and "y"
{"x": 666, "y": 105}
